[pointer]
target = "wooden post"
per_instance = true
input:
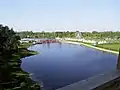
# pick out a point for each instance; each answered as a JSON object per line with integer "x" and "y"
{"x": 118, "y": 62}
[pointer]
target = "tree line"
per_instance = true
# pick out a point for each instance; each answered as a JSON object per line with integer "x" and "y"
{"x": 101, "y": 35}
{"x": 86, "y": 35}
{"x": 30, "y": 34}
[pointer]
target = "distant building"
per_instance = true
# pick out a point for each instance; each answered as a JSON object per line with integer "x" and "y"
{"x": 78, "y": 35}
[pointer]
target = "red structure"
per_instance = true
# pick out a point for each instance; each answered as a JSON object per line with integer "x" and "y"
{"x": 46, "y": 41}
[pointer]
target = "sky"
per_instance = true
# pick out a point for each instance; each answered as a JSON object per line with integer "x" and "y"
{"x": 61, "y": 15}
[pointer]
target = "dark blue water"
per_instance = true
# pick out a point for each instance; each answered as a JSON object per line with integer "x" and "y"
{"x": 58, "y": 64}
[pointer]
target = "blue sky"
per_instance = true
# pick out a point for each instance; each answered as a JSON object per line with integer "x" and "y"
{"x": 48, "y": 15}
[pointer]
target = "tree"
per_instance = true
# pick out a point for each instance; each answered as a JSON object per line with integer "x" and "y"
{"x": 8, "y": 39}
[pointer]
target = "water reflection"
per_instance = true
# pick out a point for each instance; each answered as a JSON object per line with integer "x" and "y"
{"x": 60, "y": 45}
{"x": 48, "y": 45}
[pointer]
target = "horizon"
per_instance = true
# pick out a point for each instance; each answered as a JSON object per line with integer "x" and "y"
{"x": 62, "y": 15}
{"x": 63, "y": 31}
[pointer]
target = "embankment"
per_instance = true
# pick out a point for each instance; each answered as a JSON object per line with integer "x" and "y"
{"x": 91, "y": 46}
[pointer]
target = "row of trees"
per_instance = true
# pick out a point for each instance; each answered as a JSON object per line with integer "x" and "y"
{"x": 101, "y": 35}
{"x": 43, "y": 34}
{"x": 86, "y": 35}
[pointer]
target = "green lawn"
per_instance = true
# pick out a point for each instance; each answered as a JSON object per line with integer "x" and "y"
{"x": 23, "y": 51}
{"x": 25, "y": 45}
{"x": 110, "y": 46}
{"x": 114, "y": 47}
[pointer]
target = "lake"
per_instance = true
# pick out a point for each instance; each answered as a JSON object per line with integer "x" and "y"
{"x": 60, "y": 64}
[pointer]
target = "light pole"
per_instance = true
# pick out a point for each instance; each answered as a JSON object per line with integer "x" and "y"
{"x": 118, "y": 62}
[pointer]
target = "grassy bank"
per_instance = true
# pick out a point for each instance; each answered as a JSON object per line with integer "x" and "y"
{"x": 23, "y": 51}
{"x": 92, "y": 46}
{"x": 25, "y": 45}
{"x": 12, "y": 77}
{"x": 112, "y": 46}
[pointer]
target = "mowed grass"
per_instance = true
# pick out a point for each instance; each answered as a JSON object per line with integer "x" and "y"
{"x": 25, "y": 45}
{"x": 114, "y": 47}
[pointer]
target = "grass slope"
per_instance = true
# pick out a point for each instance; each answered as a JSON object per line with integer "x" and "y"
{"x": 114, "y": 46}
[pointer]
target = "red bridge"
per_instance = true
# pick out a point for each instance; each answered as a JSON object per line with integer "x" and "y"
{"x": 45, "y": 41}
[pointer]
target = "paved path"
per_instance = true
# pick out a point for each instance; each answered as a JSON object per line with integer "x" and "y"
{"x": 98, "y": 48}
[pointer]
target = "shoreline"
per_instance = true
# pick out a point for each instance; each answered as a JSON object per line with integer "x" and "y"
{"x": 24, "y": 52}
{"x": 94, "y": 47}
{"x": 14, "y": 71}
